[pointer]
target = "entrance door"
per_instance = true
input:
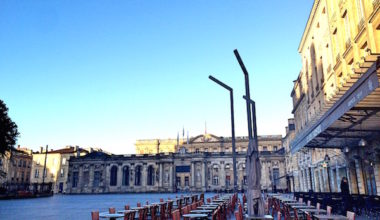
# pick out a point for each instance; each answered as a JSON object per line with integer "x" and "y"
{"x": 60, "y": 187}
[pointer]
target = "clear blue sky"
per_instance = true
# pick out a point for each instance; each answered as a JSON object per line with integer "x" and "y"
{"x": 105, "y": 73}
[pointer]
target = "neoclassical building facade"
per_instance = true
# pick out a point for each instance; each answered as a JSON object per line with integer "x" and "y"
{"x": 336, "y": 97}
{"x": 188, "y": 169}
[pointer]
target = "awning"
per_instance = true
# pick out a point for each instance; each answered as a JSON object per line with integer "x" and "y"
{"x": 353, "y": 113}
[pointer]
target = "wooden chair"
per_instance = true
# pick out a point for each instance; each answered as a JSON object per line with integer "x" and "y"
{"x": 112, "y": 210}
{"x": 176, "y": 215}
{"x": 295, "y": 214}
{"x": 329, "y": 209}
{"x": 130, "y": 216}
{"x": 95, "y": 215}
{"x": 350, "y": 215}
{"x": 278, "y": 215}
{"x": 237, "y": 216}
{"x": 308, "y": 217}
{"x": 154, "y": 212}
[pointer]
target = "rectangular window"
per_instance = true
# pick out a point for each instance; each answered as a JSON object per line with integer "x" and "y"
{"x": 197, "y": 150}
{"x": 62, "y": 173}
{"x": 75, "y": 179}
{"x": 186, "y": 181}
{"x": 228, "y": 181}
{"x": 24, "y": 164}
{"x": 265, "y": 148}
{"x": 215, "y": 180}
{"x": 274, "y": 148}
{"x": 64, "y": 161}
{"x": 178, "y": 181}
{"x": 97, "y": 176}
{"x": 19, "y": 163}
{"x": 86, "y": 178}
{"x": 36, "y": 173}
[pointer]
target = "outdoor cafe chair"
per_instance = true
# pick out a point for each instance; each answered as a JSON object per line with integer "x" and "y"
{"x": 95, "y": 215}
{"x": 176, "y": 215}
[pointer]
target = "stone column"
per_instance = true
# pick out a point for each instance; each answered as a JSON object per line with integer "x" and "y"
{"x": 160, "y": 176}
{"x": 204, "y": 176}
{"x": 192, "y": 186}
{"x": 222, "y": 176}
{"x": 132, "y": 175}
{"x": 337, "y": 179}
{"x": 91, "y": 176}
{"x": 321, "y": 185}
{"x": 171, "y": 175}
{"x": 377, "y": 176}
{"x": 360, "y": 180}
{"x": 332, "y": 178}
{"x": 119, "y": 181}
{"x": 107, "y": 177}
{"x": 144, "y": 176}
{"x": 313, "y": 179}
{"x": 80, "y": 178}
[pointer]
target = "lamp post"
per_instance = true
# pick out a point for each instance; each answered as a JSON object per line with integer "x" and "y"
{"x": 255, "y": 202}
{"x": 232, "y": 127}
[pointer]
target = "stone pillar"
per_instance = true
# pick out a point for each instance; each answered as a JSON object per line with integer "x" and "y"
{"x": 161, "y": 176}
{"x": 305, "y": 180}
{"x": 119, "y": 181}
{"x": 192, "y": 186}
{"x": 377, "y": 176}
{"x": 144, "y": 176}
{"x": 132, "y": 175}
{"x": 171, "y": 175}
{"x": 337, "y": 179}
{"x": 204, "y": 176}
{"x": 222, "y": 177}
{"x": 80, "y": 178}
{"x": 313, "y": 179}
{"x": 91, "y": 176}
{"x": 332, "y": 178}
{"x": 359, "y": 173}
{"x": 321, "y": 185}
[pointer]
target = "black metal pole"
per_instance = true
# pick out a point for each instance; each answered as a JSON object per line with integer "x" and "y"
{"x": 232, "y": 127}
{"x": 43, "y": 173}
{"x": 328, "y": 177}
{"x": 249, "y": 119}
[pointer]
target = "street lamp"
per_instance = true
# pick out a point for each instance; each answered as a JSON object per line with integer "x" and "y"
{"x": 232, "y": 127}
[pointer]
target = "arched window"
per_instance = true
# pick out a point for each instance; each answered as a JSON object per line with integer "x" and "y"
{"x": 113, "y": 178}
{"x": 138, "y": 176}
{"x": 126, "y": 176}
{"x": 150, "y": 176}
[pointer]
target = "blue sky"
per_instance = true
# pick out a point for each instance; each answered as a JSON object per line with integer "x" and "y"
{"x": 105, "y": 73}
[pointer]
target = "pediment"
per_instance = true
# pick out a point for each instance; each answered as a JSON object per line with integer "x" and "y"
{"x": 205, "y": 138}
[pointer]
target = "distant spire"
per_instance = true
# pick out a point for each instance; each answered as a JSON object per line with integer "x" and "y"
{"x": 177, "y": 138}
{"x": 187, "y": 139}
{"x": 205, "y": 127}
{"x": 183, "y": 132}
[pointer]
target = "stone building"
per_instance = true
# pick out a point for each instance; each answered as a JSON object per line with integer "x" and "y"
{"x": 56, "y": 164}
{"x": 336, "y": 99}
{"x": 15, "y": 168}
{"x": 203, "y": 164}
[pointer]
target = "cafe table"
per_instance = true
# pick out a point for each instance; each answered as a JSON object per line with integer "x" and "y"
{"x": 201, "y": 211}
{"x": 332, "y": 217}
{"x": 259, "y": 217}
{"x": 302, "y": 206}
{"x": 111, "y": 216}
{"x": 314, "y": 211}
{"x": 195, "y": 216}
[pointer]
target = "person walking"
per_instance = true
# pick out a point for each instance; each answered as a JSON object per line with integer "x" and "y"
{"x": 346, "y": 198}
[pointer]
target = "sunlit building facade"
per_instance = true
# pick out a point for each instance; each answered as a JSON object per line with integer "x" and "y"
{"x": 203, "y": 163}
{"x": 336, "y": 99}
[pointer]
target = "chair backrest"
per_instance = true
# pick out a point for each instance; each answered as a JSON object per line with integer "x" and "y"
{"x": 318, "y": 206}
{"x": 127, "y": 207}
{"x": 112, "y": 210}
{"x": 328, "y": 209}
{"x": 308, "y": 217}
{"x": 161, "y": 200}
{"x": 295, "y": 214}
{"x": 138, "y": 204}
{"x": 309, "y": 203}
{"x": 95, "y": 215}
{"x": 176, "y": 215}
{"x": 350, "y": 215}
{"x": 132, "y": 215}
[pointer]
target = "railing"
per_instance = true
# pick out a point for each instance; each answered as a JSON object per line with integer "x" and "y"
{"x": 348, "y": 43}
{"x": 361, "y": 24}
{"x": 375, "y": 3}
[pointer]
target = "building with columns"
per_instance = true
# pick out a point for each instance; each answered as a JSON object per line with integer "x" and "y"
{"x": 336, "y": 99}
{"x": 191, "y": 168}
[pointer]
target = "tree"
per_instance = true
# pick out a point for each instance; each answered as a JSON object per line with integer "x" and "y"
{"x": 8, "y": 130}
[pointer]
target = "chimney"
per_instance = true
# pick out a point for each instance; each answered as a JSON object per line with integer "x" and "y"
{"x": 91, "y": 150}
{"x": 77, "y": 151}
{"x": 42, "y": 149}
